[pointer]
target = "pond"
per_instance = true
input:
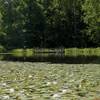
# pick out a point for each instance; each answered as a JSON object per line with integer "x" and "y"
{"x": 54, "y": 58}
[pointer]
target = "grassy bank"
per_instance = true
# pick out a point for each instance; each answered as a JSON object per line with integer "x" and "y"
{"x": 47, "y": 52}
{"x": 82, "y": 52}
{"x": 68, "y": 55}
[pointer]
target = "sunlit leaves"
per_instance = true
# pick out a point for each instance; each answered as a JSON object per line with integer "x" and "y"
{"x": 91, "y": 10}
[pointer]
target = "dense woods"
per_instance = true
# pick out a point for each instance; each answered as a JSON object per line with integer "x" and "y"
{"x": 49, "y": 23}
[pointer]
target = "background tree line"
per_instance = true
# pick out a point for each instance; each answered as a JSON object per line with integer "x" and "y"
{"x": 49, "y": 23}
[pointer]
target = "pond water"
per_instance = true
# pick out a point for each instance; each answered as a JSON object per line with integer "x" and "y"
{"x": 54, "y": 58}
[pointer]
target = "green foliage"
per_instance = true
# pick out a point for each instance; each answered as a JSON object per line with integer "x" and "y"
{"x": 22, "y": 53}
{"x": 17, "y": 53}
{"x": 91, "y": 17}
{"x": 82, "y": 52}
{"x": 67, "y": 52}
{"x": 2, "y": 49}
{"x": 29, "y": 52}
{"x": 49, "y": 24}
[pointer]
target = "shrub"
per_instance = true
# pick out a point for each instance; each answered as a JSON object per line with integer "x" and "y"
{"x": 29, "y": 52}
{"x": 17, "y": 52}
{"x": 2, "y": 49}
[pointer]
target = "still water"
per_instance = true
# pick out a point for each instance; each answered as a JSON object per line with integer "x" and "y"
{"x": 54, "y": 58}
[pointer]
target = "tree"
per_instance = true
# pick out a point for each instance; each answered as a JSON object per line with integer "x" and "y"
{"x": 11, "y": 23}
{"x": 64, "y": 23}
{"x": 91, "y": 17}
{"x": 22, "y": 22}
{"x": 49, "y": 23}
{"x": 34, "y": 23}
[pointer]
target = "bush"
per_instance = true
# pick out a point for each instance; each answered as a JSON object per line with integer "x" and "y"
{"x": 17, "y": 52}
{"x": 82, "y": 52}
{"x": 2, "y": 49}
{"x": 29, "y": 52}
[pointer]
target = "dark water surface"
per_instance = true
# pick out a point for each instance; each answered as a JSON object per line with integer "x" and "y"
{"x": 54, "y": 58}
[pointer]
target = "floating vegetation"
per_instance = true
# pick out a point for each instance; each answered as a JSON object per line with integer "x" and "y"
{"x": 45, "y": 81}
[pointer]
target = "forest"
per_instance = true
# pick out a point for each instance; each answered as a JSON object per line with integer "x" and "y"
{"x": 49, "y": 23}
{"x": 49, "y": 49}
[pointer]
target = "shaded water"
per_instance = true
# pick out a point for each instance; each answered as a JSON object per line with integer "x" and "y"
{"x": 54, "y": 58}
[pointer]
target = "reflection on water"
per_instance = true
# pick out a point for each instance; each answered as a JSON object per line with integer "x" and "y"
{"x": 54, "y": 58}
